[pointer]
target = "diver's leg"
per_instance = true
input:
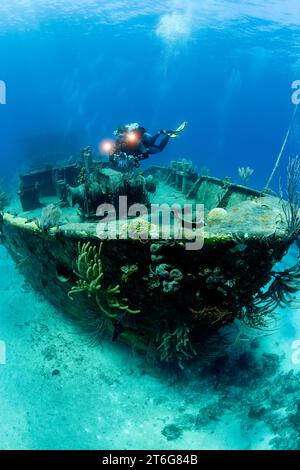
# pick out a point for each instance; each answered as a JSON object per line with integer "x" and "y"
{"x": 154, "y": 149}
{"x": 157, "y": 148}
{"x": 163, "y": 143}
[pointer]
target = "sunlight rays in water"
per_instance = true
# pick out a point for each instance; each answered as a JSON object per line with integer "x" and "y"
{"x": 176, "y": 19}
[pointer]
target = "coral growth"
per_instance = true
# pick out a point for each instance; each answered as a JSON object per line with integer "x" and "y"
{"x": 93, "y": 325}
{"x": 172, "y": 432}
{"x": 216, "y": 216}
{"x": 291, "y": 207}
{"x": 245, "y": 173}
{"x": 281, "y": 292}
{"x": 3, "y": 200}
{"x": 167, "y": 277}
{"x": 140, "y": 229}
{"x": 128, "y": 271}
{"x": 212, "y": 315}
{"x": 176, "y": 345}
{"x": 50, "y": 217}
{"x": 285, "y": 285}
{"x": 156, "y": 252}
{"x": 90, "y": 271}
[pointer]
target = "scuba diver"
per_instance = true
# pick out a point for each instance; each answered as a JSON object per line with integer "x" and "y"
{"x": 133, "y": 144}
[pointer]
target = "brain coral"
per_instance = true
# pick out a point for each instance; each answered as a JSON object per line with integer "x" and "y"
{"x": 217, "y": 215}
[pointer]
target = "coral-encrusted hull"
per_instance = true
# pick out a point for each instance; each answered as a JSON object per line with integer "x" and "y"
{"x": 176, "y": 299}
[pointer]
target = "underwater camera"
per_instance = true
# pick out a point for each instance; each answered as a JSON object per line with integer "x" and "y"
{"x": 123, "y": 162}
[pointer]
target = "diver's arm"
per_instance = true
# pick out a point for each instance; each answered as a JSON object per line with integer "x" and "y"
{"x": 142, "y": 152}
{"x": 142, "y": 149}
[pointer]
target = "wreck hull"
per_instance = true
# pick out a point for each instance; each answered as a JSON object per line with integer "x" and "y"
{"x": 215, "y": 285}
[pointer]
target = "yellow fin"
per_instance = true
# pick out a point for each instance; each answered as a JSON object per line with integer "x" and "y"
{"x": 181, "y": 127}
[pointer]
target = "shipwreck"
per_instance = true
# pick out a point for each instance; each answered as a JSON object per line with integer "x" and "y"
{"x": 149, "y": 292}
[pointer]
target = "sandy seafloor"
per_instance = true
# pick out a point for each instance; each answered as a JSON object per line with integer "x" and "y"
{"x": 59, "y": 392}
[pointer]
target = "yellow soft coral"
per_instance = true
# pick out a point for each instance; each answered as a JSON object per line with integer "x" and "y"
{"x": 90, "y": 270}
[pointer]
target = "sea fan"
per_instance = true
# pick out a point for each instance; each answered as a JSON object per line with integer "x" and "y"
{"x": 50, "y": 217}
{"x": 291, "y": 207}
{"x": 3, "y": 199}
{"x": 245, "y": 173}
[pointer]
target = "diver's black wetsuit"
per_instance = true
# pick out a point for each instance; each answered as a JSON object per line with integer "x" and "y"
{"x": 149, "y": 145}
{"x": 146, "y": 146}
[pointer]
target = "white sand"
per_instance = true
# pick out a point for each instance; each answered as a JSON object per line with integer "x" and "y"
{"x": 102, "y": 398}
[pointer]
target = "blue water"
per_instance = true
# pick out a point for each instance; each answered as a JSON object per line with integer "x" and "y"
{"x": 74, "y": 71}
{"x": 85, "y": 67}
